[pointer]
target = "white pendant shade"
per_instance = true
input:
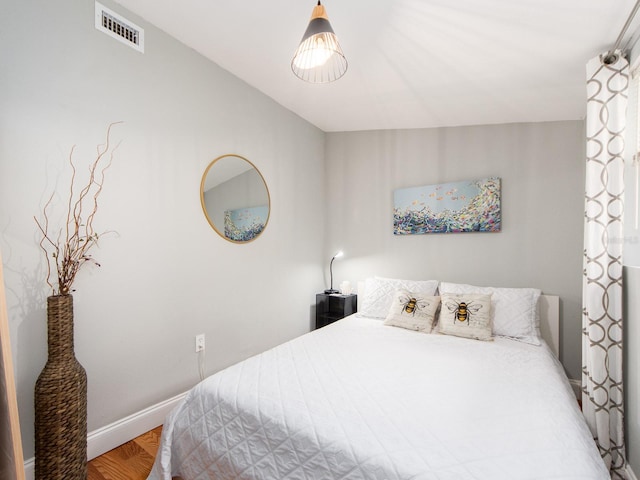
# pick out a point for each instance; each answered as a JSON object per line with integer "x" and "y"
{"x": 319, "y": 58}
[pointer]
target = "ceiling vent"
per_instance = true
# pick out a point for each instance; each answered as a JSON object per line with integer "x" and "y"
{"x": 120, "y": 28}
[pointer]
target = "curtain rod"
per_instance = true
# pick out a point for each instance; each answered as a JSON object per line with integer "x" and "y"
{"x": 611, "y": 56}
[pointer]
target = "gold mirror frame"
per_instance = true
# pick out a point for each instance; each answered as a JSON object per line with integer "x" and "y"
{"x": 11, "y": 455}
{"x": 227, "y": 173}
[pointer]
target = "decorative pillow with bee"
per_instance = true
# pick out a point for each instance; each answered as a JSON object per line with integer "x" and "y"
{"x": 466, "y": 315}
{"x": 413, "y": 311}
{"x": 514, "y": 311}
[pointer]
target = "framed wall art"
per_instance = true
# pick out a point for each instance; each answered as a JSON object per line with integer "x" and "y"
{"x": 471, "y": 206}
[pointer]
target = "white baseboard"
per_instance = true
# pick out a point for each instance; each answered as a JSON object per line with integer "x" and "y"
{"x": 111, "y": 436}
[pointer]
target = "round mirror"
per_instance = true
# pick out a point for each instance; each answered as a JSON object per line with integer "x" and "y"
{"x": 235, "y": 198}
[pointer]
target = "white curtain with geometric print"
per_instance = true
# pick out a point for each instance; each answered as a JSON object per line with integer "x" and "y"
{"x": 602, "y": 388}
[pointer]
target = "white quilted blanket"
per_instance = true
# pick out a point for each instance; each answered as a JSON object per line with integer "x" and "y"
{"x": 360, "y": 400}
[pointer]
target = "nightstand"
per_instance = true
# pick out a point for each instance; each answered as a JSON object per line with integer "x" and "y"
{"x": 332, "y": 307}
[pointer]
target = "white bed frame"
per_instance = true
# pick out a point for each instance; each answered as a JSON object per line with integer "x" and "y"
{"x": 549, "y": 309}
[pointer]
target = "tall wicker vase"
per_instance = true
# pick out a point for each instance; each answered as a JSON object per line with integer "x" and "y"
{"x": 61, "y": 401}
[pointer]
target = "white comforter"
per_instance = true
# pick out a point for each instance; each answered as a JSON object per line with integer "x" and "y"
{"x": 360, "y": 400}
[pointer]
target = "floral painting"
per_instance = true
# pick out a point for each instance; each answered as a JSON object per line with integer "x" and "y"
{"x": 245, "y": 224}
{"x": 472, "y": 206}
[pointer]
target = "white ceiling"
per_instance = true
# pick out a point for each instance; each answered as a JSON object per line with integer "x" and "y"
{"x": 412, "y": 63}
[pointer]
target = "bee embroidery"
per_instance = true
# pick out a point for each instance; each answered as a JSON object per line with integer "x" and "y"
{"x": 462, "y": 311}
{"x": 410, "y": 305}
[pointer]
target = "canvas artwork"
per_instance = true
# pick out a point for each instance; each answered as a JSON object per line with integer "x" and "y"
{"x": 472, "y": 206}
{"x": 245, "y": 224}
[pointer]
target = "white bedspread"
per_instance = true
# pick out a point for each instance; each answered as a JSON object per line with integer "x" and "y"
{"x": 360, "y": 400}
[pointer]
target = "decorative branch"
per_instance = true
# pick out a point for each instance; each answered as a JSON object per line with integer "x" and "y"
{"x": 67, "y": 249}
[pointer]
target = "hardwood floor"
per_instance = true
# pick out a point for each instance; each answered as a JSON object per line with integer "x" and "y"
{"x": 131, "y": 461}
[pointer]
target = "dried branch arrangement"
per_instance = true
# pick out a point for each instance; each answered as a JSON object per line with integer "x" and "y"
{"x": 67, "y": 248}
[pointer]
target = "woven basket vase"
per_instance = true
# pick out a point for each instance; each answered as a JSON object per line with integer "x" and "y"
{"x": 61, "y": 401}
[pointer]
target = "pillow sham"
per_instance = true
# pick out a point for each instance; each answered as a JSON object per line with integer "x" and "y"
{"x": 515, "y": 310}
{"x": 466, "y": 315}
{"x": 413, "y": 311}
{"x": 378, "y": 293}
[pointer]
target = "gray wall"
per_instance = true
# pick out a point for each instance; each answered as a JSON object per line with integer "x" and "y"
{"x": 166, "y": 275}
{"x": 542, "y": 171}
{"x": 631, "y": 281}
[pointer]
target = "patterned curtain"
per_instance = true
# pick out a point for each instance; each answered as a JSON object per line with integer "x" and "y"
{"x": 602, "y": 390}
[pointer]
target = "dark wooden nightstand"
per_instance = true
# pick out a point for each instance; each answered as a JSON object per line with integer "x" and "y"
{"x": 332, "y": 307}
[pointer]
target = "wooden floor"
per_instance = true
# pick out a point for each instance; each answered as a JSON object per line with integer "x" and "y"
{"x": 131, "y": 461}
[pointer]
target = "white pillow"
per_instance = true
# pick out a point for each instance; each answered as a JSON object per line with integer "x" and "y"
{"x": 515, "y": 310}
{"x": 466, "y": 315}
{"x": 413, "y": 311}
{"x": 378, "y": 293}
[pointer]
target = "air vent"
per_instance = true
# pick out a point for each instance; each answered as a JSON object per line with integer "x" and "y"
{"x": 120, "y": 28}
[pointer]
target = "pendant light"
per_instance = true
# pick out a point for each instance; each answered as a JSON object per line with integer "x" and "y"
{"x": 319, "y": 58}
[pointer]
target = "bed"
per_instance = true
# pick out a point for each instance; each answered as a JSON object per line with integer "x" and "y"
{"x": 364, "y": 399}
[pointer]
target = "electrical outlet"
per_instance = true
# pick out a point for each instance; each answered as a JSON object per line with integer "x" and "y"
{"x": 199, "y": 342}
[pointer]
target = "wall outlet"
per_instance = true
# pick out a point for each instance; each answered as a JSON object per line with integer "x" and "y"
{"x": 199, "y": 342}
